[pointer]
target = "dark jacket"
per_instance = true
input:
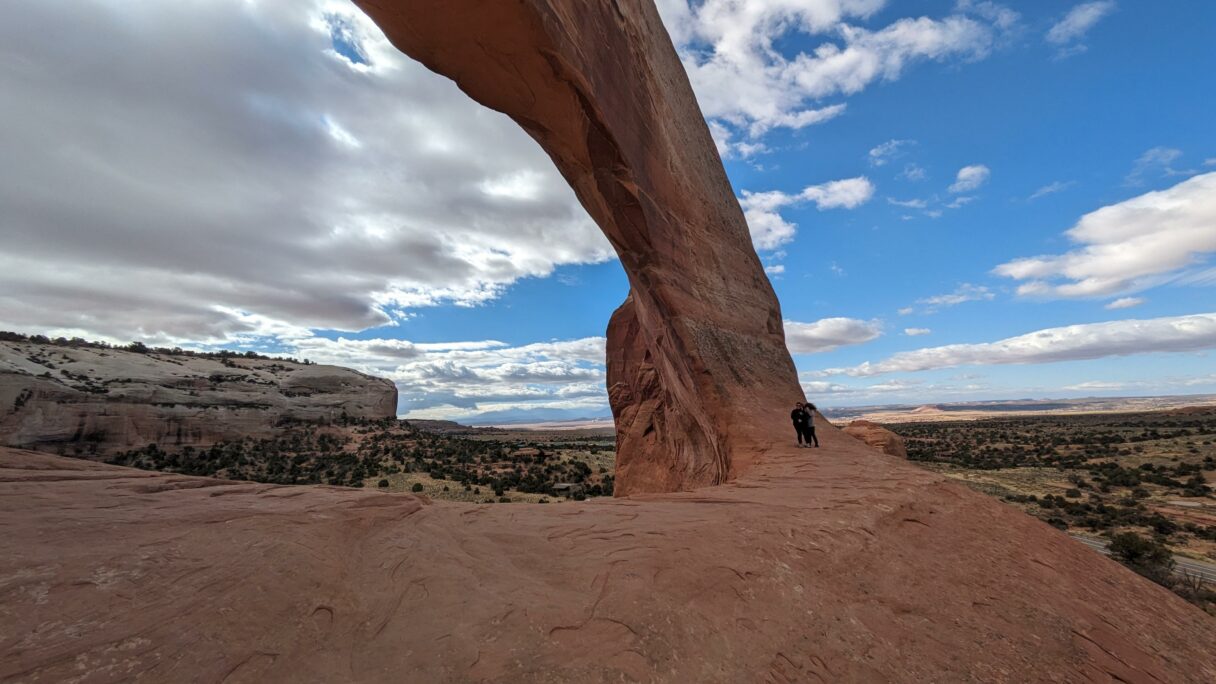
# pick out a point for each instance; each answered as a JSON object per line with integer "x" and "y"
{"x": 800, "y": 417}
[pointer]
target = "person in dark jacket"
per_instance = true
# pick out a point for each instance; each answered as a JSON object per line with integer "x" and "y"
{"x": 808, "y": 434}
{"x": 800, "y": 418}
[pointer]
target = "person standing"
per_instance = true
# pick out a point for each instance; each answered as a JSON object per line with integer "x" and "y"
{"x": 808, "y": 426}
{"x": 800, "y": 418}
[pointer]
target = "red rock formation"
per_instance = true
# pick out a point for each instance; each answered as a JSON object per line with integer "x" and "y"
{"x": 699, "y": 376}
{"x": 825, "y": 565}
{"x": 878, "y": 437}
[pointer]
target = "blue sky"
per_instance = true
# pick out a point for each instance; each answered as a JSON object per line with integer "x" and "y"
{"x": 911, "y": 173}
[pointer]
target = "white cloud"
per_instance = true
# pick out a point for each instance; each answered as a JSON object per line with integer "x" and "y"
{"x": 916, "y": 332}
{"x": 828, "y": 334}
{"x": 461, "y": 379}
{"x": 260, "y": 180}
{"x": 1210, "y": 162}
{"x": 762, "y": 209}
{"x": 907, "y": 310}
{"x": 960, "y": 202}
{"x": 913, "y": 203}
{"x": 1125, "y": 303}
{"x": 962, "y": 294}
{"x": 1050, "y": 189}
{"x": 891, "y": 149}
{"x": 1069, "y": 343}
{"x": 912, "y": 172}
{"x": 970, "y": 178}
{"x": 745, "y": 83}
{"x": 1158, "y": 161}
{"x": 775, "y": 269}
{"x": 1069, "y": 31}
{"x": 1097, "y": 386}
{"x": 1127, "y": 246}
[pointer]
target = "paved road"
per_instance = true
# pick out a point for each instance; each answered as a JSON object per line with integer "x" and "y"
{"x": 1181, "y": 565}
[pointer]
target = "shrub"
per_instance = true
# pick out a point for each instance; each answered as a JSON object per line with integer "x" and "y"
{"x": 1148, "y": 557}
{"x": 382, "y": 483}
{"x": 417, "y": 487}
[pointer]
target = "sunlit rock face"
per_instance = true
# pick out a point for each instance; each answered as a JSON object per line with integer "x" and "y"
{"x": 878, "y": 437}
{"x": 94, "y": 402}
{"x": 699, "y": 376}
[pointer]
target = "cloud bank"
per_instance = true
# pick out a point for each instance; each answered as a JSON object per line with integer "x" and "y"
{"x": 1068, "y": 343}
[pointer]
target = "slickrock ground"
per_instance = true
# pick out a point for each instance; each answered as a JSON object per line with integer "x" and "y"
{"x": 88, "y": 400}
{"x": 878, "y": 437}
{"x": 833, "y": 565}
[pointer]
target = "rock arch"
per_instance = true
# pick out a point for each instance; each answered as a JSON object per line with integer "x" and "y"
{"x": 698, "y": 371}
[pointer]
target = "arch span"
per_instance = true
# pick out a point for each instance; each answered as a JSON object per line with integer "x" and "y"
{"x": 698, "y": 371}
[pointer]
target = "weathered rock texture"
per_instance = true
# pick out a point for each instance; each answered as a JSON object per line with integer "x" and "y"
{"x": 698, "y": 372}
{"x": 83, "y": 400}
{"x": 834, "y": 565}
{"x": 878, "y": 437}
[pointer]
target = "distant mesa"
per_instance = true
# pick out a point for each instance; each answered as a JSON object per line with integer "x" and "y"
{"x": 91, "y": 400}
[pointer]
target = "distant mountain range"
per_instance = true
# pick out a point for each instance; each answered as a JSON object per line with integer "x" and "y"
{"x": 532, "y": 415}
{"x": 951, "y": 410}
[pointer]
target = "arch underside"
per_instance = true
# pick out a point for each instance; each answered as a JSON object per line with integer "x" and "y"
{"x": 698, "y": 371}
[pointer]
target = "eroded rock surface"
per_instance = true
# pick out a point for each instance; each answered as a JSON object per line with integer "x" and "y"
{"x": 878, "y": 437}
{"x": 84, "y": 400}
{"x": 834, "y": 565}
{"x": 699, "y": 375}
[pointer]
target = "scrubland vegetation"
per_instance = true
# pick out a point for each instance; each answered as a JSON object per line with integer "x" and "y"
{"x": 1139, "y": 480}
{"x": 394, "y": 456}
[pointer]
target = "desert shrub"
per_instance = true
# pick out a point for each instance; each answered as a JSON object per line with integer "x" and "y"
{"x": 1147, "y": 557}
{"x": 382, "y": 483}
{"x": 417, "y": 487}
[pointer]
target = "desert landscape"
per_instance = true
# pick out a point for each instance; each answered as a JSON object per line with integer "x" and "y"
{"x": 207, "y": 503}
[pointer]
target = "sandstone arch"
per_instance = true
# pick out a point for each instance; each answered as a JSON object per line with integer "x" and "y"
{"x": 698, "y": 371}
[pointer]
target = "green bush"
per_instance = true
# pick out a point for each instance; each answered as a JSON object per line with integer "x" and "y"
{"x": 417, "y": 487}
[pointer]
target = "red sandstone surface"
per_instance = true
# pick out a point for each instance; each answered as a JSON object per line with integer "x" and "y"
{"x": 839, "y": 564}
{"x": 878, "y": 437}
{"x": 697, "y": 365}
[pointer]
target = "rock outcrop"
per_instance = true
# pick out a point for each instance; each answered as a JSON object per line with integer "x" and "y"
{"x": 95, "y": 401}
{"x": 878, "y": 437}
{"x": 698, "y": 372}
{"x": 815, "y": 566}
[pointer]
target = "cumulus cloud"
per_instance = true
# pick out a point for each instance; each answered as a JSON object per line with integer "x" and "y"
{"x": 1068, "y": 343}
{"x": 1127, "y": 246}
{"x": 828, "y": 334}
{"x": 461, "y": 379}
{"x": 762, "y": 209}
{"x": 1125, "y": 303}
{"x": 970, "y": 178}
{"x": 165, "y": 185}
{"x": 748, "y": 85}
{"x": 1067, "y": 33}
{"x": 916, "y": 332}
